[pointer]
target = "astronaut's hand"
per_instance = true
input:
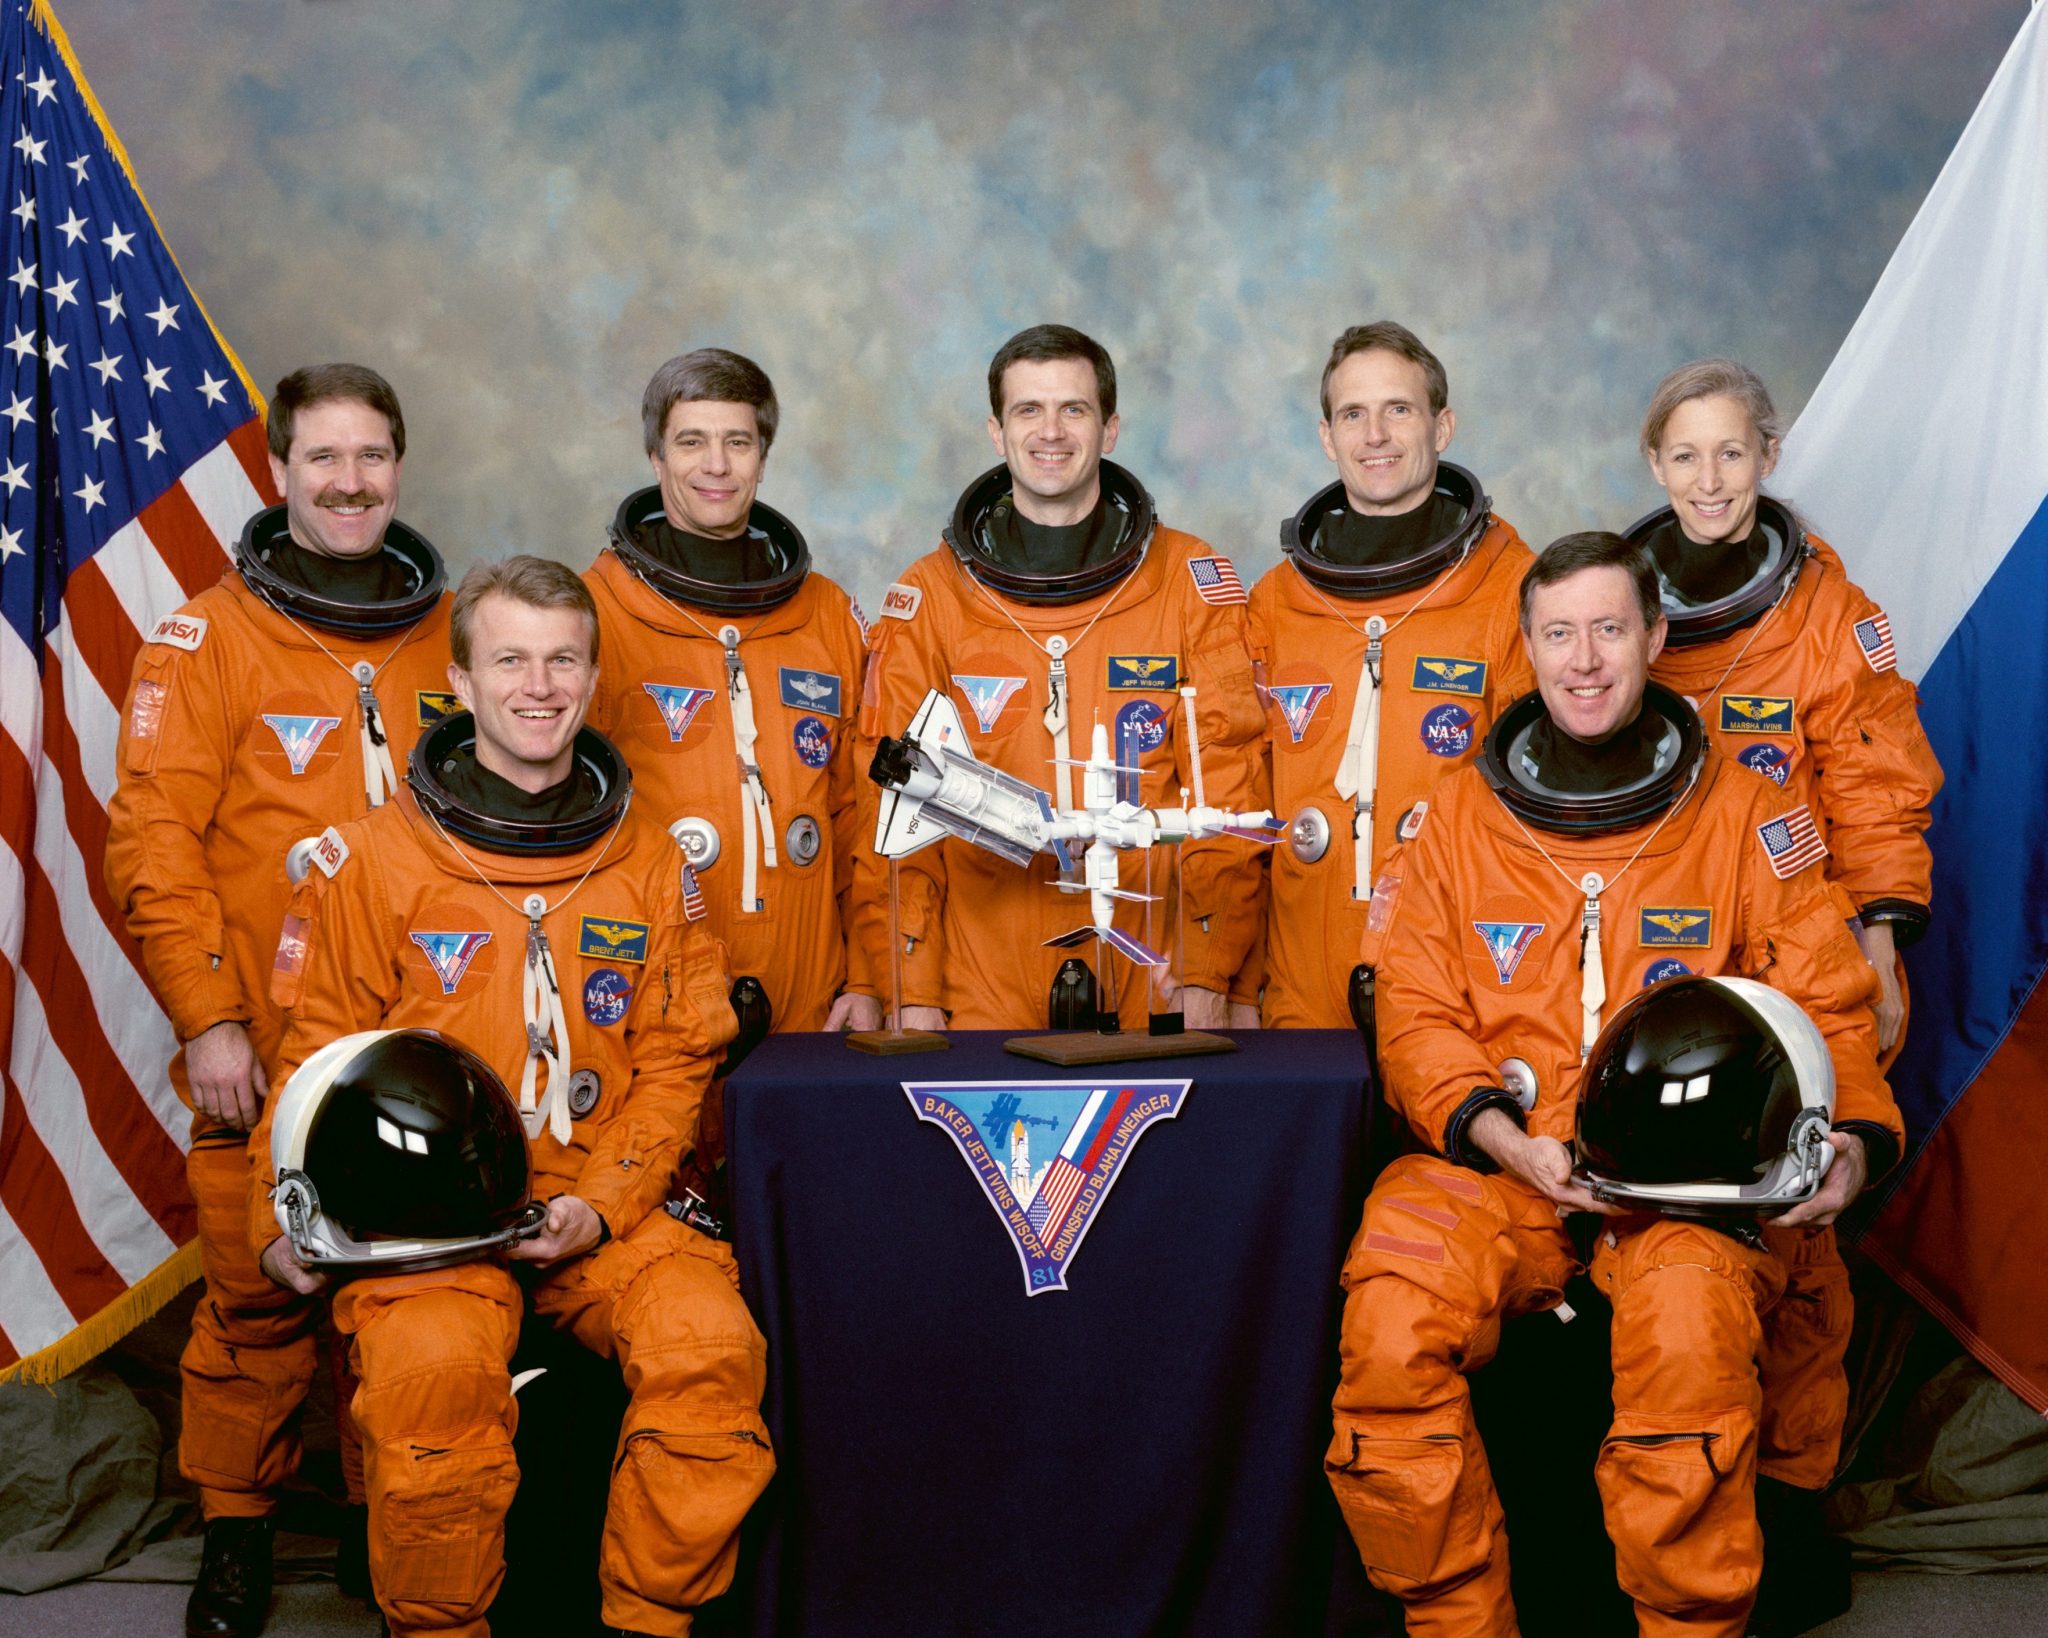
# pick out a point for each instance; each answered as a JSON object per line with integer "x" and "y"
{"x": 1244, "y": 1015}
{"x": 572, "y": 1227}
{"x": 282, "y": 1264}
{"x": 922, "y": 1018}
{"x": 1881, "y": 951}
{"x": 1542, "y": 1163}
{"x": 1844, "y": 1182}
{"x": 854, "y": 1012}
{"x": 1203, "y": 1009}
{"x": 226, "y": 1077}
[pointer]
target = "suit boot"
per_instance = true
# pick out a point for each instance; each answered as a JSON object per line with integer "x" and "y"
{"x": 232, "y": 1596}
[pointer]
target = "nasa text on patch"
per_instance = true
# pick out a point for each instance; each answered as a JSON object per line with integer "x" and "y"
{"x": 1087, "y": 1133}
{"x": 611, "y": 938}
{"x": 1756, "y": 714}
{"x": 900, "y": 602}
{"x": 433, "y": 704}
{"x": 1448, "y": 674}
{"x": 1127, "y": 671}
{"x": 1675, "y": 926}
{"x": 186, "y": 631}
{"x": 809, "y": 690}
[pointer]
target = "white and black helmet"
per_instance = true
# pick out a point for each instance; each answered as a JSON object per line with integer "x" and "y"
{"x": 1707, "y": 1096}
{"x": 397, "y": 1150}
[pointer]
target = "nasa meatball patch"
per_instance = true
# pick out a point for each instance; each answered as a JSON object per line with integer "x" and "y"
{"x": 605, "y": 995}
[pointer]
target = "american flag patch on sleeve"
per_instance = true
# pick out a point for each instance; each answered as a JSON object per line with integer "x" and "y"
{"x": 1874, "y": 637}
{"x": 693, "y": 896}
{"x": 1216, "y": 580}
{"x": 1791, "y": 842}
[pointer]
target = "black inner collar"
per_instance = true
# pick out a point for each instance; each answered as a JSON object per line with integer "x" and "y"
{"x": 1053, "y": 548}
{"x": 1706, "y": 573}
{"x": 381, "y": 577}
{"x": 1572, "y": 766}
{"x": 475, "y": 786}
{"x": 1359, "y": 540}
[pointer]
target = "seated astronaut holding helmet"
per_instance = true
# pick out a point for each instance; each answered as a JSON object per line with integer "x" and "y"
{"x": 510, "y": 878}
{"x": 1599, "y": 846}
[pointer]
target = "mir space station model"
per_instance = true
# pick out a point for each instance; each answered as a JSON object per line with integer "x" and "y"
{"x": 933, "y": 786}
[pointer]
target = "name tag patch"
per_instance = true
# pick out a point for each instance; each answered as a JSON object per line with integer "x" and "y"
{"x": 809, "y": 690}
{"x": 1128, "y": 671}
{"x": 607, "y": 938}
{"x": 432, "y": 704}
{"x": 1447, "y": 674}
{"x": 1664, "y": 926}
{"x": 1756, "y": 714}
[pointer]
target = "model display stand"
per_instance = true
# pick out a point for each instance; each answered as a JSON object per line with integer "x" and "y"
{"x": 887, "y": 1043}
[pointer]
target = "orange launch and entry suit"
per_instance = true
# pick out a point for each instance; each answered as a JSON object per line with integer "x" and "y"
{"x": 1451, "y": 654}
{"x": 973, "y": 924}
{"x": 664, "y": 699}
{"x": 1810, "y": 696}
{"x": 405, "y": 934}
{"x": 239, "y": 738}
{"x": 1477, "y": 937}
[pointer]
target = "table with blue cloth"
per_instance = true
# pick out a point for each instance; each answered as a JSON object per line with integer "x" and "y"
{"x": 1137, "y": 1453}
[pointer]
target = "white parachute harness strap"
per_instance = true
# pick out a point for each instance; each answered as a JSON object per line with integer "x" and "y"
{"x": 547, "y": 1027}
{"x": 1187, "y": 711}
{"x": 757, "y": 813}
{"x": 547, "y": 1032}
{"x": 1358, "y": 772}
{"x": 1057, "y": 719}
{"x": 1592, "y": 969}
{"x": 380, "y": 778}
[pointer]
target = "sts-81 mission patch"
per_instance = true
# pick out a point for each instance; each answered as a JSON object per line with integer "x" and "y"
{"x": 1085, "y": 1133}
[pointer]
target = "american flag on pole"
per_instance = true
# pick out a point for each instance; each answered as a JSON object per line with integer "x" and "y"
{"x": 130, "y": 455}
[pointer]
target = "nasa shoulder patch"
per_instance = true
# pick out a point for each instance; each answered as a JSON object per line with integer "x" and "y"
{"x": 900, "y": 602}
{"x": 186, "y": 631}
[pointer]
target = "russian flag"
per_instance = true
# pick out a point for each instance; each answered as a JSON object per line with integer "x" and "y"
{"x": 1923, "y": 455}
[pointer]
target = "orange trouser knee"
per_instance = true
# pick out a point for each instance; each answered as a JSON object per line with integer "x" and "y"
{"x": 1806, "y": 1391}
{"x": 1441, "y": 1257}
{"x": 693, "y": 1452}
{"x": 252, "y": 1353}
{"x": 436, "y": 1415}
{"x": 1677, "y": 1473}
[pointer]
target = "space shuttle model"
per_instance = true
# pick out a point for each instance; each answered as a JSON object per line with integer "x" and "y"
{"x": 933, "y": 786}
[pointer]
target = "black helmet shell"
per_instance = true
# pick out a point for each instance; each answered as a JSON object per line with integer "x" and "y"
{"x": 418, "y": 1139}
{"x": 1686, "y": 1084}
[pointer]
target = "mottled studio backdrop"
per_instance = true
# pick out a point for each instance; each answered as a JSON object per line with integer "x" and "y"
{"x": 516, "y": 208}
